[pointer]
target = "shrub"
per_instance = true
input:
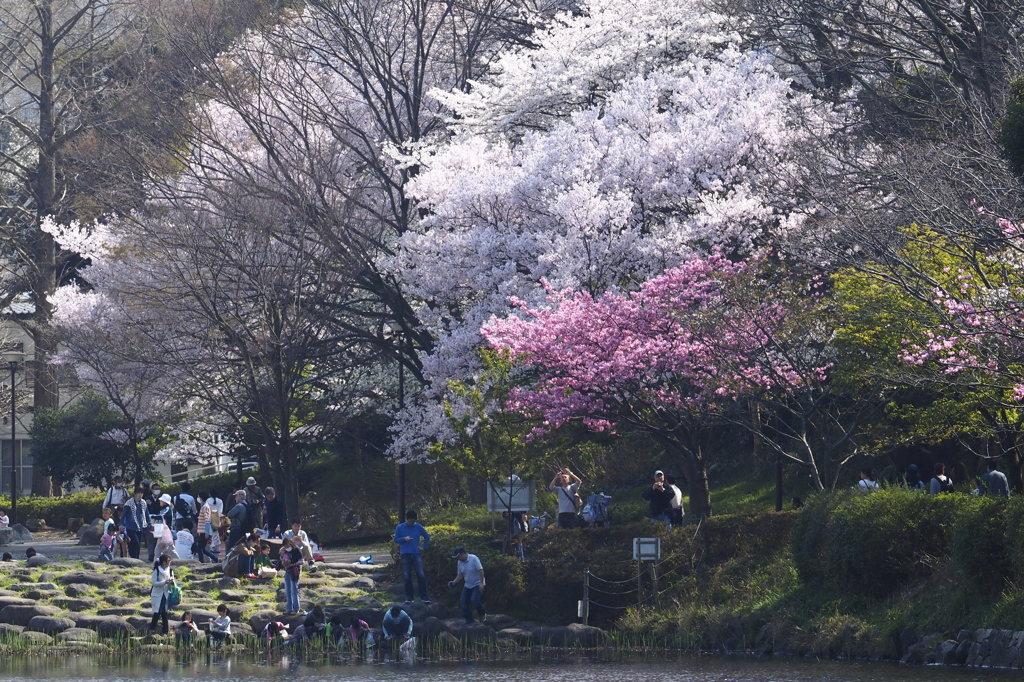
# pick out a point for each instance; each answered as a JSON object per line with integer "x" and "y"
{"x": 977, "y": 540}
{"x": 871, "y": 544}
{"x": 57, "y": 510}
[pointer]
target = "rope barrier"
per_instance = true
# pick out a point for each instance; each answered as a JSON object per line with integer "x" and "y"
{"x": 618, "y": 582}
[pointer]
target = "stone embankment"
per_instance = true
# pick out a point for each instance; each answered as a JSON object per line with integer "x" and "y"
{"x": 91, "y": 605}
{"x": 977, "y": 648}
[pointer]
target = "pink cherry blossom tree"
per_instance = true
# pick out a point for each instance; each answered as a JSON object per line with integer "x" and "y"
{"x": 659, "y": 360}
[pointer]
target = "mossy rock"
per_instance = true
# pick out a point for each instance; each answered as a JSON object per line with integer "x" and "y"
{"x": 118, "y": 600}
{"x": 234, "y": 595}
{"x": 102, "y": 580}
{"x": 43, "y": 594}
{"x": 51, "y": 625}
{"x": 21, "y": 615}
{"x": 35, "y": 638}
{"x": 77, "y": 589}
{"x": 110, "y": 626}
{"x": 128, "y": 562}
{"x": 78, "y": 635}
{"x": 120, "y": 610}
{"x": 76, "y": 605}
{"x": 9, "y": 631}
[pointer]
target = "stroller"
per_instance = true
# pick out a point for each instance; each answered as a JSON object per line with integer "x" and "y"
{"x": 595, "y": 512}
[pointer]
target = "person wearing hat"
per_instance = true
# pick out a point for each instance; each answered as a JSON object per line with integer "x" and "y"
{"x": 659, "y": 495}
{"x": 471, "y": 573}
{"x": 238, "y": 518}
{"x": 276, "y": 516}
{"x": 253, "y": 504}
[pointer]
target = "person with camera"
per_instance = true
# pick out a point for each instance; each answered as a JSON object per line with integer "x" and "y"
{"x": 565, "y": 485}
{"x": 659, "y": 495}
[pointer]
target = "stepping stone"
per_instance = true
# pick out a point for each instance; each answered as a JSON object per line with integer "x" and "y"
{"x": 234, "y": 595}
{"x": 35, "y": 638}
{"x": 88, "y": 578}
{"x": 120, "y": 611}
{"x": 8, "y": 631}
{"x": 22, "y": 587}
{"x": 37, "y": 561}
{"x": 361, "y": 582}
{"x": 77, "y": 589}
{"x": 51, "y": 625}
{"x": 72, "y": 604}
{"x": 129, "y": 562}
{"x": 43, "y": 594}
{"x": 108, "y": 626}
{"x": 21, "y": 615}
{"x": 118, "y": 600}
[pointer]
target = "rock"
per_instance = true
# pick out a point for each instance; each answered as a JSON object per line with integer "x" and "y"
{"x": 35, "y": 586}
{"x": 47, "y": 576}
{"x": 74, "y": 523}
{"x": 72, "y": 604}
{"x": 339, "y": 572}
{"x": 36, "y": 525}
{"x": 21, "y": 615}
{"x": 129, "y": 562}
{"x": 111, "y": 626}
{"x": 21, "y": 533}
{"x": 499, "y": 621}
{"x": 77, "y": 589}
{"x": 6, "y": 536}
{"x": 95, "y": 565}
{"x": 138, "y": 623}
{"x": 234, "y": 595}
{"x": 43, "y": 594}
{"x": 8, "y": 631}
{"x": 470, "y": 634}
{"x": 184, "y": 562}
{"x": 16, "y": 601}
{"x": 35, "y": 638}
{"x": 206, "y": 568}
{"x": 259, "y": 619}
{"x": 431, "y": 628}
{"x": 90, "y": 534}
{"x": 38, "y": 560}
{"x": 78, "y": 635}
{"x": 117, "y": 600}
{"x": 92, "y": 578}
{"x": 361, "y": 582}
{"x": 120, "y": 610}
{"x": 51, "y": 625}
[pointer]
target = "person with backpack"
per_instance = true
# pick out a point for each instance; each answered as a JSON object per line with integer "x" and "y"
{"x": 185, "y": 507}
{"x": 254, "y": 504}
{"x": 116, "y": 498}
{"x": 867, "y": 482}
{"x": 156, "y": 508}
{"x": 135, "y": 521}
{"x": 162, "y": 579}
{"x": 940, "y": 483}
{"x": 566, "y": 485}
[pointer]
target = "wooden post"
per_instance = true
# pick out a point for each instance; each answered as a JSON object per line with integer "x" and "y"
{"x": 639, "y": 585}
{"x": 654, "y": 579}
{"x": 586, "y": 596}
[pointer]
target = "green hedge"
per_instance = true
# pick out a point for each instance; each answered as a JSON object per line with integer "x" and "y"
{"x": 57, "y": 510}
{"x": 872, "y": 544}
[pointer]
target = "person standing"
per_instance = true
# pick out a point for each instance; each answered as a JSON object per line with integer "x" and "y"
{"x": 471, "y": 573}
{"x": 238, "y": 516}
{"x": 5, "y": 521}
{"x": 161, "y": 511}
{"x": 135, "y": 521}
{"x": 659, "y": 497}
{"x": 185, "y": 507}
{"x": 412, "y": 539}
{"x": 940, "y": 483}
{"x": 912, "y": 477}
{"x": 301, "y": 542}
{"x": 995, "y": 481}
{"x": 867, "y": 482}
{"x": 291, "y": 562}
{"x": 566, "y": 485}
{"x": 276, "y": 516}
{"x": 204, "y": 529}
{"x": 161, "y": 579}
{"x": 117, "y": 496}
{"x": 253, "y": 504}
{"x": 676, "y": 505}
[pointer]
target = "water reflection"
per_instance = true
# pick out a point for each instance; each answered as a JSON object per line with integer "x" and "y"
{"x": 282, "y": 666}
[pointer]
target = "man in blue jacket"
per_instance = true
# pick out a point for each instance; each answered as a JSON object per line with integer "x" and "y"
{"x": 135, "y": 519}
{"x": 408, "y": 535}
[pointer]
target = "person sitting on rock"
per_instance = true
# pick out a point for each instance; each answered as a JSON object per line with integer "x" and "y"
{"x": 263, "y": 562}
{"x": 107, "y": 543}
{"x": 220, "y": 627}
{"x": 186, "y": 630}
{"x": 5, "y": 522}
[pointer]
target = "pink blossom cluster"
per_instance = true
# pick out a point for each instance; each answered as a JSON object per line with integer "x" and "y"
{"x": 682, "y": 342}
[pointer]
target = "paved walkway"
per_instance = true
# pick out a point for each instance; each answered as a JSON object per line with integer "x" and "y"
{"x": 59, "y": 544}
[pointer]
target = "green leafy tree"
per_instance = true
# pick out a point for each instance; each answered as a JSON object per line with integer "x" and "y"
{"x": 88, "y": 443}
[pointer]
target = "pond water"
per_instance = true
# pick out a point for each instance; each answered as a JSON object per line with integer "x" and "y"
{"x": 695, "y": 669}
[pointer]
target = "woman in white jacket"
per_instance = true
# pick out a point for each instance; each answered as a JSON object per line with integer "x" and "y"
{"x": 162, "y": 580}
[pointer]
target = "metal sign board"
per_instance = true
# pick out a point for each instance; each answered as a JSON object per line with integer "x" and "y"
{"x": 523, "y": 495}
{"x": 647, "y": 549}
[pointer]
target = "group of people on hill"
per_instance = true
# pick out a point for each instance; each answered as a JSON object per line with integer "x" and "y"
{"x": 992, "y": 482}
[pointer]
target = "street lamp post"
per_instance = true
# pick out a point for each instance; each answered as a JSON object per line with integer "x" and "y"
{"x": 13, "y": 358}
{"x": 396, "y": 329}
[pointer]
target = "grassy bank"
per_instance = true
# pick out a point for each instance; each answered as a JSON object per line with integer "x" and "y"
{"x": 848, "y": 575}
